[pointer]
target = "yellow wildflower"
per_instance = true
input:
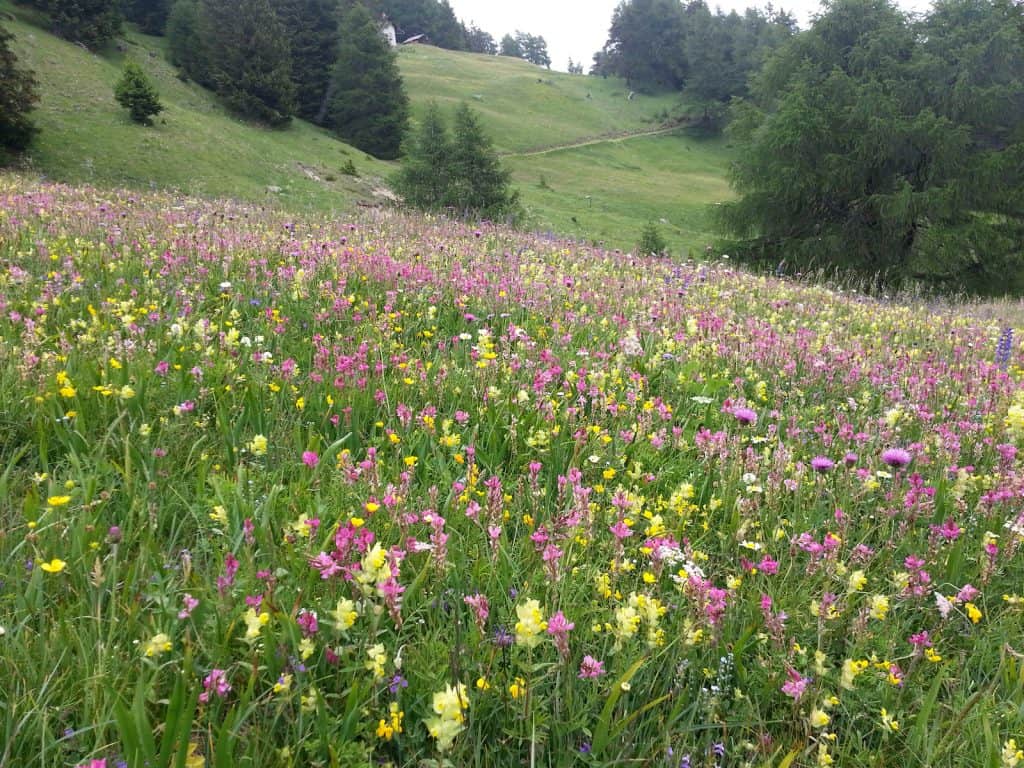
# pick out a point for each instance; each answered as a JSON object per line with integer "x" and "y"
{"x": 56, "y": 565}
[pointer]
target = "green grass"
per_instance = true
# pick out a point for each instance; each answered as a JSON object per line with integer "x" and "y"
{"x": 601, "y": 192}
{"x": 527, "y": 107}
{"x": 608, "y": 191}
{"x": 195, "y": 145}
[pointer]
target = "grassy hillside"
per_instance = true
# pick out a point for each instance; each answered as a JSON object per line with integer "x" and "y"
{"x": 524, "y": 106}
{"x": 602, "y": 191}
{"x": 195, "y": 146}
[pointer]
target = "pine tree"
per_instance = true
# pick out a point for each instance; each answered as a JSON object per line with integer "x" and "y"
{"x": 425, "y": 176}
{"x": 479, "y": 184}
{"x": 136, "y": 93}
{"x": 93, "y": 23}
{"x": 312, "y": 29}
{"x": 249, "y": 58}
{"x": 510, "y": 46}
{"x": 150, "y": 15}
{"x": 184, "y": 42}
{"x": 17, "y": 96}
{"x": 367, "y": 105}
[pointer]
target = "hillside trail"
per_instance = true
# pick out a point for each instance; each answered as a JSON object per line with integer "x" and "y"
{"x": 589, "y": 142}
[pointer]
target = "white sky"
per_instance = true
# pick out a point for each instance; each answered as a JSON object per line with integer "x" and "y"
{"x": 578, "y": 28}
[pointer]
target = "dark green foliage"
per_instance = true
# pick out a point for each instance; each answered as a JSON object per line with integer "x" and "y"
{"x": 93, "y": 23}
{"x": 184, "y": 43}
{"x": 424, "y": 180}
{"x": 312, "y": 29}
{"x": 433, "y": 18}
{"x": 533, "y": 48}
{"x": 366, "y": 104}
{"x": 460, "y": 173}
{"x": 150, "y": 15}
{"x": 249, "y": 59}
{"x": 575, "y": 67}
{"x": 888, "y": 147}
{"x": 652, "y": 243}
{"x": 480, "y": 186}
{"x": 136, "y": 93}
{"x": 17, "y": 97}
{"x": 664, "y": 44}
{"x": 478, "y": 41}
{"x": 646, "y": 43}
{"x": 510, "y": 46}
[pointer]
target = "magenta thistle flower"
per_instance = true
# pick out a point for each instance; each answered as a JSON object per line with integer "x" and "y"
{"x": 590, "y": 668}
{"x": 310, "y": 459}
{"x": 822, "y": 464}
{"x": 896, "y": 457}
{"x": 745, "y": 416}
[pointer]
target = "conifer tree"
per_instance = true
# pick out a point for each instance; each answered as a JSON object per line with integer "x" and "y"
{"x": 17, "y": 97}
{"x": 479, "y": 184}
{"x": 136, "y": 93}
{"x": 184, "y": 42}
{"x": 249, "y": 58}
{"x": 93, "y": 23}
{"x": 150, "y": 15}
{"x": 312, "y": 29}
{"x": 425, "y": 175}
{"x": 367, "y": 105}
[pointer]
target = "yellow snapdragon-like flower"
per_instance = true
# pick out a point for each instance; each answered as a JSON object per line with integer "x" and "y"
{"x": 376, "y": 661}
{"x": 850, "y": 671}
{"x": 258, "y": 445}
{"x": 1011, "y": 756}
{"x": 879, "y": 607}
{"x": 531, "y": 624}
{"x": 344, "y": 614}
{"x": 254, "y": 622}
{"x": 156, "y": 645}
{"x": 449, "y": 721}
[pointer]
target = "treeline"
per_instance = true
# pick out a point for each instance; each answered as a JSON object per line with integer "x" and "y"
{"x": 888, "y": 145}
{"x": 667, "y": 44}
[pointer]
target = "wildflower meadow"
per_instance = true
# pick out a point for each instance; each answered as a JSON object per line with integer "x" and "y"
{"x": 388, "y": 491}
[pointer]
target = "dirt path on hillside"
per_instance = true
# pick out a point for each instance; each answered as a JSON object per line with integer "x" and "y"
{"x": 589, "y": 142}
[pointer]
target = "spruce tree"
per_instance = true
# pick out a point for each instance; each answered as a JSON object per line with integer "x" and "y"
{"x": 249, "y": 58}
{"x": 479, "y": 184}
{"x": 367, "y": 105}
{"x": 150, "y": 15}
{"x": 184, "y": 41}
{"x": 17, "y": 97}
{"x": 425, "y": 176}
{"x": 93, "y": 23}
{"x": 312, "y": 29}
{"x": 136, "y": 93}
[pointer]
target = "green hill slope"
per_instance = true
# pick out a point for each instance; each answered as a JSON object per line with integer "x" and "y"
{"x": 195, "y": 146}
{"x": 606, "y": 189}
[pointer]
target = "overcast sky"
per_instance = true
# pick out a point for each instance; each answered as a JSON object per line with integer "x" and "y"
{"x": 578, "y": 28}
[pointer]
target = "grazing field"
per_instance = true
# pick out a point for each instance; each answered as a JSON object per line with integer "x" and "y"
{"x": 195, "y": 146}
{"x": 287, "y": 491}
{"x": 602, "y": 192}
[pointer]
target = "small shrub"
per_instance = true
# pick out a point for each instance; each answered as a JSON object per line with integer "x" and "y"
{"x": 651, "y": 240}
{"x": 136, "y": 93}
{"x": 349, "y": 168}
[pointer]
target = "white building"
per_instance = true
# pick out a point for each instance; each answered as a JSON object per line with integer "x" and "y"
{"x": 388, "y": 30}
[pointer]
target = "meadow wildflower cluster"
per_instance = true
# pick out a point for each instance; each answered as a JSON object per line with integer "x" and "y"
{"x": 281, "y": 491}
